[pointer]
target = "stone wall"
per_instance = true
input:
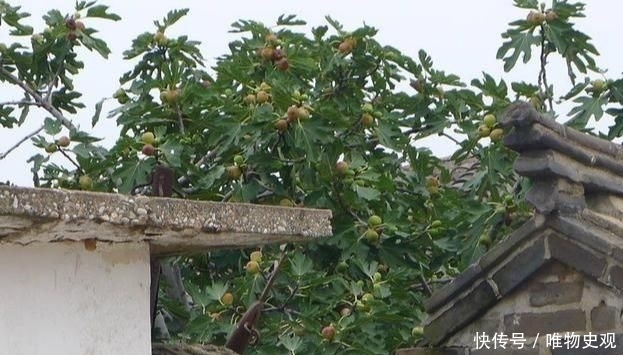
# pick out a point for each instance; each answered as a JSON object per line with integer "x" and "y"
{"x": 557, "y": 299}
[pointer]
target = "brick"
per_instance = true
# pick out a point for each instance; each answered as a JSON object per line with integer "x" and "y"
{"x": 566, "y": 251}
{"x": 555, "y": 271}
{"x": 582, "y": 232}
{"x": 519, "y": 268}
{"x": 432, "y": 351}
{"x": 601, "y": 350}
{"x": 604, "y": 317}
{"x": 554, "y": 193}
{"x": 490, "y": 324}
{"x": 532, "y": 324}
{"x": 616, "y": 277}
{"x": 557, "y": 293}
{"x": 462, "y": 312}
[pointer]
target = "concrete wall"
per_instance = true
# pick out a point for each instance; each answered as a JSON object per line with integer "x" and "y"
{"x": 74, "y": 298}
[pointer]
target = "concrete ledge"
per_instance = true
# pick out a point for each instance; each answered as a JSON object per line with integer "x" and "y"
{"x": 172, "y": 226}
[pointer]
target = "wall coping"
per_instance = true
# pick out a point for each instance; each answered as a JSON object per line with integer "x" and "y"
{"x": 171, "y": 226}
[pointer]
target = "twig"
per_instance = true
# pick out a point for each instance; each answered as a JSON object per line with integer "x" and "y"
{"x": 450, "y": 138}
{"x": 543, "y": 86}
{"x": 425, "y": 285}
{"x": 27, "y": 137}
{"x": 273, "y": 276}
{"x": 180, "y": 118}
{"x": 71, "y": 160}
{"x": 48, "y": 94}
{"x": 38, "y": 98}
{"x": 20, "y": 103}
{"x": 209, "y": 155}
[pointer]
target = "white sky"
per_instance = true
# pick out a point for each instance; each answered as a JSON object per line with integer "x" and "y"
{"x": 461, "y": 36}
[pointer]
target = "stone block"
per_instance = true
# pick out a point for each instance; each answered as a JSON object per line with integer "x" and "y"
{"x": 463, "y": 311}
{"x": 604, "y": 317}
{"x": 531, "y": 324}
{"x": 556, "y": 293}
{"x": 520, "y": 267}
{"x": 583, "y": 260}
{"x": 461, "y": 282}
{"x": 616, "y": 277}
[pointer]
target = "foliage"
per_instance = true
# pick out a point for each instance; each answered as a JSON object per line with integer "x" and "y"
{"x": 314, "y": 120}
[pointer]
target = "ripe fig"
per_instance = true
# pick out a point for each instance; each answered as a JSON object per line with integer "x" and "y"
{"x": 303, "y": 113}
{"x": 267, "y": 53}
{"x": 262, "y": 96}
{"x": 328, "y": 332}
{"x": 281, "y": 125}
{"x": 367, "y": 120}
{"x": 148, "y": 150}
{"x": 250, "y": 99}
{"x": 292, "y": 113}
{"x": 64, "y": 141}
{"x": 341, "y": 167}
{"x": 282, "y": 64}
{"x": 278, "y": 54}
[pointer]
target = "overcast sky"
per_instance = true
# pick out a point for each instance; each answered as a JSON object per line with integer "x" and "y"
{"x": 461, "y": 36}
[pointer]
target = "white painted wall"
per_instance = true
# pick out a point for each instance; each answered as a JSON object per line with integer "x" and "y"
{"x": 62, "y": 299}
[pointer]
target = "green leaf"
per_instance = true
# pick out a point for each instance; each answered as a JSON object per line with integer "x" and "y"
{"x": 319, "y": 32}
{"x": 367, "y": 193}
{"x": 336, "y": 25}
{"x": 98, "y": 112}
{"x": 100, "y": 11}
{"x": 527, "y": 4}
{"x": 172, "y": 152}
{"x": 12, "y": 17}
{"x": 589, "y": 107}
{"x": 615, "y": 130}
{"x": 171, "y": 18}
{"x": 520, "y": 41}
{"x": 23, "y": 115}
{"x": 300, "y": 264}
{"x": 289, "y": 20}
{"x": 96, "y": 44}
{"x": 52, "y": 126}
{"x": 291, "y": 342}
{"x": 132, "y": 173}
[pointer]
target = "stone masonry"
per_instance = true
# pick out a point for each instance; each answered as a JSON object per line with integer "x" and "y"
{"x": 554, "y": 285}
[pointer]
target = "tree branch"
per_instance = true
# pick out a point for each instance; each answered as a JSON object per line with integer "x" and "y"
{"x": 20, "y": 103}
{"x": 38, "y": 98}
{"x": 27, "y": 137}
